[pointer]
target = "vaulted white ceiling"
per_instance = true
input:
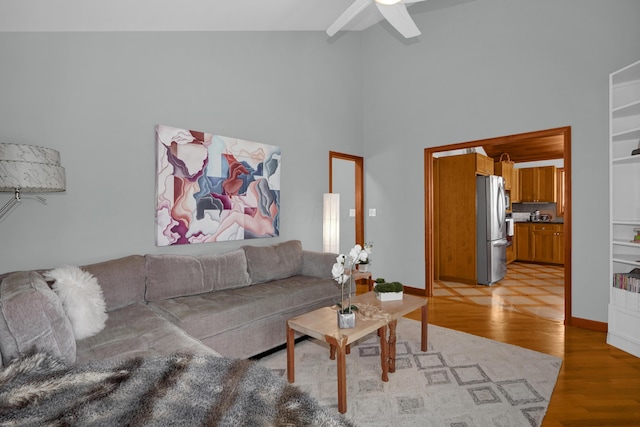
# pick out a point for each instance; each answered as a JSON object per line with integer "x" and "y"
{"x": 177, "y": 15}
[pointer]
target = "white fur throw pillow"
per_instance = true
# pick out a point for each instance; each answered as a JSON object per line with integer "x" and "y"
{"x": 82, "y": 299}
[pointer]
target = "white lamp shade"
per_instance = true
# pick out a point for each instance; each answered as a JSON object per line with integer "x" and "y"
{"x": 30, "y": 169}
{"x": 331, "y": 223}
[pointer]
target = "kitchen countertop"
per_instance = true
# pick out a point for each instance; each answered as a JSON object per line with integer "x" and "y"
{"x": 553, "y": 221}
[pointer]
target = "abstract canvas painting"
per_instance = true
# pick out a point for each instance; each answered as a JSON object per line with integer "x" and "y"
{"x": 213, "y": 188}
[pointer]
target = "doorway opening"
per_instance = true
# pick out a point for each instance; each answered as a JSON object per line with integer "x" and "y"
{"x": 532, "y": 144}
{"x": 346, "y": 176}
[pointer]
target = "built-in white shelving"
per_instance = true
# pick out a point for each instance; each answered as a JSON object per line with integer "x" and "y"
{"x": 626, "y": 160}
{"x": 626, "y": 259}
{"x": 624, "y": 170}
{"x": 624, "y": 243}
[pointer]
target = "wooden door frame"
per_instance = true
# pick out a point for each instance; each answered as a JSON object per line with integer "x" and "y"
{"x": 429, "y": 207}
{"x": 359, "y": 184}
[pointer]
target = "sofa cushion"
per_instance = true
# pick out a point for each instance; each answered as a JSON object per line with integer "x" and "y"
{"x": 122, "y": 280}
{"x": 318, "y": 264}
{"x": 32, "y": 317}
{"x": 225, "y": 271}
{"x": 274, "y": 262}
{"x": 170, "y": 276}
{"x": 135, "y": 330}
{"x": 212, "y": 313}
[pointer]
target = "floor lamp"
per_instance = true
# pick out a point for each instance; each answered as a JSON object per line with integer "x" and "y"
{"x": 29, "y": 169}
{"x": 331, "y": 223}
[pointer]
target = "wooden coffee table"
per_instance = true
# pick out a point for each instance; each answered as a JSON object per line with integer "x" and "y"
{"x": 322, "y": 324}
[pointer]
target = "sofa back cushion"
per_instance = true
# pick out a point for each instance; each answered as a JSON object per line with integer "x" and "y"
{"x": 225, "y": 271}
{"x": 32, "y": 317}
{"x": 121, "y": 280}
{"x": 171, "y": 276}
{"x": 274, "y": 262}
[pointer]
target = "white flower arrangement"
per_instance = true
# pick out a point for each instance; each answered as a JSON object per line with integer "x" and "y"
{"x": 357, "y": 255}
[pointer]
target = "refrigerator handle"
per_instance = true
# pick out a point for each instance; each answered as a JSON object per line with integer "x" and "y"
{"x": 502, "y": 205}
{"x": 501, "y": 242}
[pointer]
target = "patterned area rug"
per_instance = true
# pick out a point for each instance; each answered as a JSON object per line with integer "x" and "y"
{"x": 461, "y": 381}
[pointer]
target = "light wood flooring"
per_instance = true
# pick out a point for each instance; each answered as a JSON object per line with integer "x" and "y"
{"x": 533, "y": 289}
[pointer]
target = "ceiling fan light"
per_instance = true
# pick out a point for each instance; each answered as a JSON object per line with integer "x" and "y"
{"x": 388, "y": 2}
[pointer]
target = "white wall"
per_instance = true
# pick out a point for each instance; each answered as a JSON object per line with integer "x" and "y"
{"x": 488, "y": 68}
{"x": 481, "y": 69}
{"x": 97, "y": 97}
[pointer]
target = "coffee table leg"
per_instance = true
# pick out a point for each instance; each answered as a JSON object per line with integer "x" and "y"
{"x": 332, "y": 351}
{"x": 342, "y": 370}
{"x": 423, "y": 345}
{"x": 392, "y": 345}
{"x": 290, "y": 357}
{"x": 384, "y": 353}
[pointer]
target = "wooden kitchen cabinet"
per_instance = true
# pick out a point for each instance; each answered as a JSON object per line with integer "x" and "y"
{"x": 547, "y": 184}
{"x": 505, "y": 170}
{"x": 522, "y": 242}
{"x": 515, "y": 186}
{"x": 511, "y": 250}
{"x": 527, "y": 185}
{"x": 455, "y": 215}
{"x": 548, "y": 243}
{"x": 560, "y": 192}
{"x": 538, "y": 184}
{"x": 540, "y": 242}
{"x": 484, "y": 164}
{"x": 558, "y": 248}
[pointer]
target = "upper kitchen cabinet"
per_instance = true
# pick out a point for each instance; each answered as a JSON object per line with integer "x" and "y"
{"x": 515, "y": 186}
{"x": 560, "y": 192}
{"x": 624, "y": 169}
{"x": 505, "y": 170}
{"x": 538, "y": 184}
{"x": 484, "y": 164}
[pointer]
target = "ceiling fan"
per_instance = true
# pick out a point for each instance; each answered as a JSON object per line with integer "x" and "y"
{"x": 393, "y": 11}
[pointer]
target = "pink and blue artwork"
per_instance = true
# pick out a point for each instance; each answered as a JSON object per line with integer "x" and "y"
{"x": 213, "y": 188}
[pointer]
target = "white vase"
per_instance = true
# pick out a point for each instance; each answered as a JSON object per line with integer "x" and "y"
{"x": 346, "y": 320}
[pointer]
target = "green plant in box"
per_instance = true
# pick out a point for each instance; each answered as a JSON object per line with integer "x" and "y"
{"x": 388, "y": 287}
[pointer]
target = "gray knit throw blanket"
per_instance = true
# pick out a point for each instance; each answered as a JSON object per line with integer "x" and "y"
{"x": 178, "y": 390}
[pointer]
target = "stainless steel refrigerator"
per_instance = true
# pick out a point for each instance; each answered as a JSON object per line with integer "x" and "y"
{"x": 491, "y": 229}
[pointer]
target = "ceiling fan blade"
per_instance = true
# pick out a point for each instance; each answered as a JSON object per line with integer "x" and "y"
{"x": 351, "y": 12}
{"x": 399, "y": 18}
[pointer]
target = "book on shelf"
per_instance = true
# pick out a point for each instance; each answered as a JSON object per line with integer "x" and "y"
{"x": 628, "y": 281}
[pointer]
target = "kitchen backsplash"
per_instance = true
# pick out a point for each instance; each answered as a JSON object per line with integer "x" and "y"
{"x": 521, "y": 211}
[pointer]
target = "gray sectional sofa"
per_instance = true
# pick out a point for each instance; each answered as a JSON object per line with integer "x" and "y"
{"x": 233, "y": 304}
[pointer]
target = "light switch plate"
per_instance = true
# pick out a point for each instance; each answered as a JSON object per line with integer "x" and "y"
{"x": 352, "y": 212}
{"x": 372, "y": 212}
